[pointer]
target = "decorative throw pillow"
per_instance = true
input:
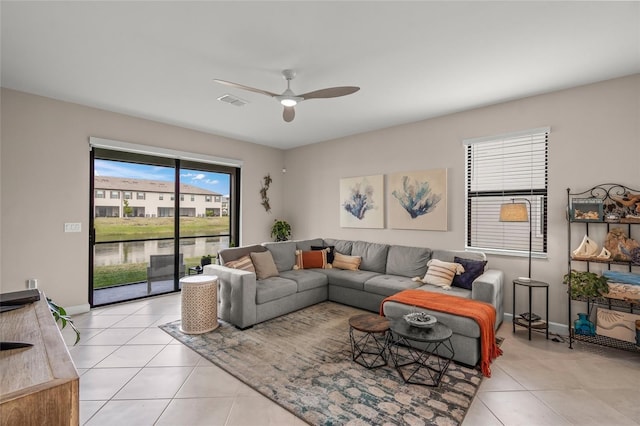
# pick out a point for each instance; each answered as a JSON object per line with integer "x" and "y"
{"x": 472, "y": 270}
{"x": 264, "y": 264}
{"x": 311, "y": 259}
{"x": 330, "y": 251}
{"x": 243, "y": 263}
{"x": 342, "y": 261}
{"x": 441, "y": 273}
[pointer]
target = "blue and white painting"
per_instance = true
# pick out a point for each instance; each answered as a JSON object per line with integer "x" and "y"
{"x": 362, "y": 202}
{"x": 418, "y": 200}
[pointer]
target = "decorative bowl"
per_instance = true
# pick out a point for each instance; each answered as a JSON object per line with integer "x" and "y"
{"x": 420, "y": 319}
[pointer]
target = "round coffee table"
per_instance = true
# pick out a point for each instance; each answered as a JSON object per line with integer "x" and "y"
{"x": 420, "y": 355}
{"x": 368, "y": 336}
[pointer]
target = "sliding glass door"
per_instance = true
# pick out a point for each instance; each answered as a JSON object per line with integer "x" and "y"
{"x": 155, "y": 220}
{"x": 205, "y": 221}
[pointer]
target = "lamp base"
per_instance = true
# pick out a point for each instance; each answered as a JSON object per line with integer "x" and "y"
{"x": 525, "y": 279}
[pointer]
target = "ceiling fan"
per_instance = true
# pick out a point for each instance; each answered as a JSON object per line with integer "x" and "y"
{"x": 288, "y": 99}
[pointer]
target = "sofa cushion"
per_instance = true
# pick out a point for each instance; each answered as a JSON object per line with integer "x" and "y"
{"x": 305, "y": 245}
{"x": 342, "y": 246}
{"x": 387, "y": 285}
{"x": 284, "y": 254}
{"x": 441, "y": 273}
{"x": 274, "y": 288}
{"x": 408, "y": 261}
{"x": 306, "y": 279}
{"x": 452, "y": 291}
{"x": 472, "y": 270}
{"x": 264, "y": 264}
{"x": 459, "y": 325}
{"x": 342, "y": 261}
{"x": 245, "y": 263}
{"x": 348, "y": 279}
{"x": 235, "y": 253}
{"x": 374, "y": 255}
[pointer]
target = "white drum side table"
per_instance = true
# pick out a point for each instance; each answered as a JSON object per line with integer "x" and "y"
{"x": 199, "y": 303}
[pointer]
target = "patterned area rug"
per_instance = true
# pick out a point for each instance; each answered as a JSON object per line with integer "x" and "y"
{"x": 302, "y": 361}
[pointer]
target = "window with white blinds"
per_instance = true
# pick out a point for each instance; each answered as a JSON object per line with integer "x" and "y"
{"x": 499, "y": 169}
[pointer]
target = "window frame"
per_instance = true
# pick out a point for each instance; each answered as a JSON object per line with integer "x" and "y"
{"x": 538, "y": 195}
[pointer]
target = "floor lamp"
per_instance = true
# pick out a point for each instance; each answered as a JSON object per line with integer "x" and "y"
{"x": 517, "y": 212}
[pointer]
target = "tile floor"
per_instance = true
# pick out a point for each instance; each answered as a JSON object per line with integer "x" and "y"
{"x": 132, "y": 373}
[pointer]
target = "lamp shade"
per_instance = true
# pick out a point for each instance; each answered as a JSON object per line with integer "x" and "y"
{"x": 514, "y": 212}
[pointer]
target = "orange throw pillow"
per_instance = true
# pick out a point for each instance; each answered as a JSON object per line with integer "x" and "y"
{"x": 311, "y": 259}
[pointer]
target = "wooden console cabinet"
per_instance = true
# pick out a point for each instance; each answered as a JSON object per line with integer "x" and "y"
{"x": 39, "y": 384}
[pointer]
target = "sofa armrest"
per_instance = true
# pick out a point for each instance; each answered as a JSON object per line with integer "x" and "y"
{"x": 236, "y": 295}
{"x": 488, "y": 287}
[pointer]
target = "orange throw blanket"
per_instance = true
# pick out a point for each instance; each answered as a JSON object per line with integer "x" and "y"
{"x": 483, "y": 313}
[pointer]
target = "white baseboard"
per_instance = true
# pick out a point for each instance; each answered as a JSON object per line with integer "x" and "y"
{"x": 554, "y": 327}
{"x": 78, "y": 309}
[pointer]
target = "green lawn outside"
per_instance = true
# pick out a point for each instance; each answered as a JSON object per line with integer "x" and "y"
{"x": 128, "y": 273}
{"x": 133, "y": 228}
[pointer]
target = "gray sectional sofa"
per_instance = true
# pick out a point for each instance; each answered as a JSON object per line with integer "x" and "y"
{"x": 384, "y": 270}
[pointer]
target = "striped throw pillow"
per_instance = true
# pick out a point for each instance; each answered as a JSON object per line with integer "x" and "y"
{"x": 243, "y": 263}
{"x": 311, "y": 259}
{"x": 342, "y": 261}
{"x": 441, "y": 273}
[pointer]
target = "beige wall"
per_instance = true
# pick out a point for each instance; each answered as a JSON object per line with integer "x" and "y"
{"x": 594, "y": 139}
{"x": 45, "y": 183}
{"x": 45, "y": 176}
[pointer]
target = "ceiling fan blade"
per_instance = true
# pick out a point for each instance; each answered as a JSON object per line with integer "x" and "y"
{"x": 288, "y": 114}
{"x": 331, "y": 92}
{"x": 243, "y": 87}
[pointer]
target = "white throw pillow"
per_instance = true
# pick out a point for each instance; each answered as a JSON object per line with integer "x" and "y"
{"x": 441, "y": 273}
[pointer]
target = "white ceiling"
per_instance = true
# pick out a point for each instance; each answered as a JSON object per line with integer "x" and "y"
{"x": 412, "y": 60}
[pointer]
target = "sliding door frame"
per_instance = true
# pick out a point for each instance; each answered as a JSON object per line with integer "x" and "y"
{"x": 141, "y": 154}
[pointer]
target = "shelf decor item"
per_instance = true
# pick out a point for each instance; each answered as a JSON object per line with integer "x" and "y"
{"x": 583, "y": 326}
{"x": 586, "y": 284}
{"x": 617, "y": 324}
{"x": 587, "y": 210}
{"x": 517, "y": 212}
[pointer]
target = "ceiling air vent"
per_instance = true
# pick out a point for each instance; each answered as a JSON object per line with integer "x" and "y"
{"x": 233, "y": 100}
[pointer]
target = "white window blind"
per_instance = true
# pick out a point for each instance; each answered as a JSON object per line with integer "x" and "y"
{"x": 499, "y": 169}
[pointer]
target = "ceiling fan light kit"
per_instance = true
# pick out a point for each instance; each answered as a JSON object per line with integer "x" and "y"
{"x": 288, "y": 99}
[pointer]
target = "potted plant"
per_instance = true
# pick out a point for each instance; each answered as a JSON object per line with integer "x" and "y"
{"x": 60, "y": 315}
{"x": 281, "y": 230}
{"x": 586, "y": 284}
{"x": 206, "y": 259}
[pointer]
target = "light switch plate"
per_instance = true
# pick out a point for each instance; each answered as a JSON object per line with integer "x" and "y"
{"x": 72, "y": 227}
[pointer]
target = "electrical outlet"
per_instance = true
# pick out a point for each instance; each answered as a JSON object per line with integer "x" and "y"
{"x": 72, "y": 227}
{"x": 32, "y": 283}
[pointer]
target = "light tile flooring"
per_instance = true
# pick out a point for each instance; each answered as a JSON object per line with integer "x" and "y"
{"x": 132, "y": 373}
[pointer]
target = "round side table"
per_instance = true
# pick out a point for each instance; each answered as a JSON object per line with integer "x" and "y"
{"x": 425, "y": 353}
{"x": 199, "y": 303}
{"x": 368, "y": 336}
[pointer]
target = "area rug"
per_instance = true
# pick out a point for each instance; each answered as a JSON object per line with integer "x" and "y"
{"x": 302, "y": 361}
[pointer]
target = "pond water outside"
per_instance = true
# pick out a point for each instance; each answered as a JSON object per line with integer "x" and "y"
{"x": 106, "y": 254}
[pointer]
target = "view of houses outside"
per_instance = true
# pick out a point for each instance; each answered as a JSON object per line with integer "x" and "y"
{"x": 134, "y": 218}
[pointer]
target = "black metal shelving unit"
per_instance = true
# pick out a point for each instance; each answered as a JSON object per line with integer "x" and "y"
{"x": 607, "y": 193}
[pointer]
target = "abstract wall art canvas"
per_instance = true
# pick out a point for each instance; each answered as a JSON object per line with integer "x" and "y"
{"x": 418, "y": 200}
{"x": 362, "y": 202}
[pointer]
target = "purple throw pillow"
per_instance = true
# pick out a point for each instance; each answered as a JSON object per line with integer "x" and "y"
{"x": 472, "y": 270}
